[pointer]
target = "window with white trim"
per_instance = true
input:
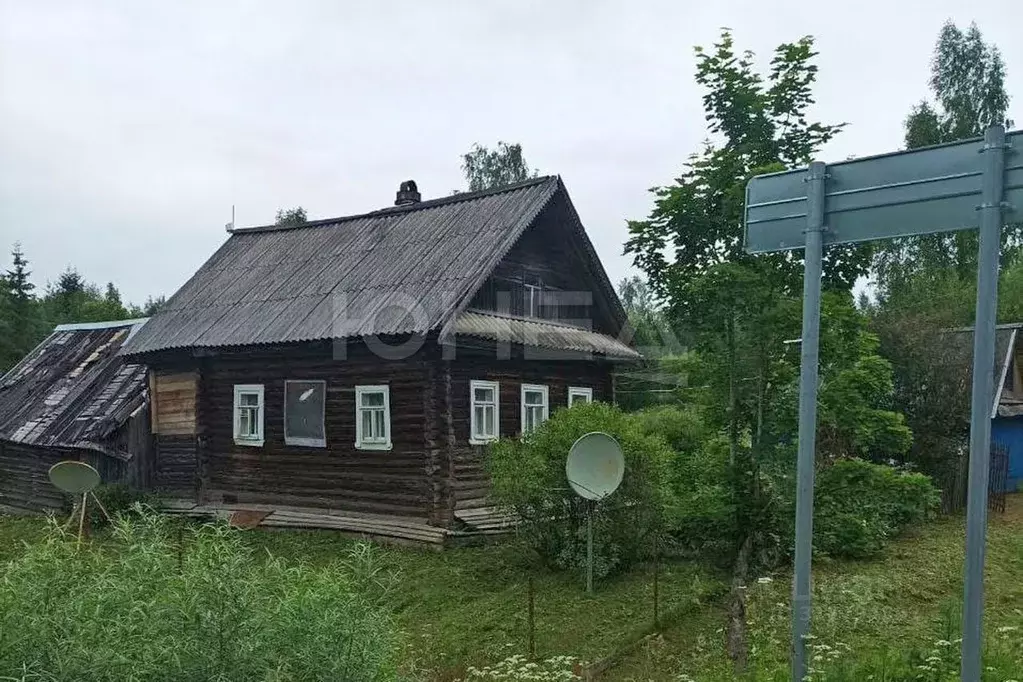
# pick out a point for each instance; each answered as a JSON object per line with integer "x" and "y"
{"x": 304, "y": 403}
{"x": 248, "y": 414}
{"x": 535, "y": 408}
{"x": 484, "y": 419}
{"x": 579, "y": 394}
{"x": 373, "y": 417}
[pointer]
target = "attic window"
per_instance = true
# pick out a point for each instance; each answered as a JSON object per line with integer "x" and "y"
{"x": 248, "y": 414}
{"x": 304, "y": 413}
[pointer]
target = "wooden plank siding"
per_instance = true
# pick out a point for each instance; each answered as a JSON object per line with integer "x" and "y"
{"x": 173, "y": 402}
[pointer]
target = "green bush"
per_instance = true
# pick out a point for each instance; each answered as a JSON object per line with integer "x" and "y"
{"x": 859, "y": 505}
{"x": 153, "y": 605}
{"x": 528, "y": 477}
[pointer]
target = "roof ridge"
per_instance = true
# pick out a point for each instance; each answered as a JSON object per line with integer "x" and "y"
{"x": 407, "y": 208}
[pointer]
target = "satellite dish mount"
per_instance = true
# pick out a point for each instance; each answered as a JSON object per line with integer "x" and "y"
{"x": 79, "y": 480}
{"x": 594, "y": 468}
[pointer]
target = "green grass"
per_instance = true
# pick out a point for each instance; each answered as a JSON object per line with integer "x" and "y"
{"x": 469, "y": 606}
{"x": 911, "y": 599}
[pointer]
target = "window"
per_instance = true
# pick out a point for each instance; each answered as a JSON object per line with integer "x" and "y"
{"x": 248, "y": 414}
{"x": 579, "y": 394}
{"x": 485, "y": 417}
{"x": 534, "y": 406}
{"x": 303, "y": 413}
{"x": 372, "y": 418}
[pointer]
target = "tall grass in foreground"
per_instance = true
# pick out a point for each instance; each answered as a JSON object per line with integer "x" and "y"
{"x": 155, "y": 603}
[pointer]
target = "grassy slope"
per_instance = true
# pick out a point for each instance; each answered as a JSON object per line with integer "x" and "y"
{"x": 909, "y": 600}
{"x": 469, "y": 606}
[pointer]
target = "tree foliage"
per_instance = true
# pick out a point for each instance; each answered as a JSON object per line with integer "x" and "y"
{"x": 290, "y": 217}
{"x": 26, "y": 318}
{"x": 968, "y": 86}
{"x": 485, "y": 168}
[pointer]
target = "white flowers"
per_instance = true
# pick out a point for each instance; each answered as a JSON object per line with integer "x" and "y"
{"x": 518, "y": 667}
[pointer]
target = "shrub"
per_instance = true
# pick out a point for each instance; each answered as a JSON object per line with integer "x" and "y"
{"x": 528, "y": 477}
{"x": 143, "y": 607}
{"x": 859, "y": 505}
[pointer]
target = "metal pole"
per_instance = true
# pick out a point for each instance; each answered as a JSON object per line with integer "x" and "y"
{"x": 807, "y": 416}
{"x": 992, "y": 190}
{"x": 589, "y": 548}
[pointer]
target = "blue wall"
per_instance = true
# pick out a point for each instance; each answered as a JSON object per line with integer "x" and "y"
{"x": 1008, "y": 431}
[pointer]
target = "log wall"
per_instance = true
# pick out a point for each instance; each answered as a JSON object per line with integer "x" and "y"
{"x": 466, "y": 475}
{"x": 339, "y": 475}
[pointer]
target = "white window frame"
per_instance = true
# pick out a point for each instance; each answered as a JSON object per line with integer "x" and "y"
{"x": 575, "y": 392}
{"x": 306, "y": 442}
{"x": 546, "y": 403}
{"x": 249, "y": 389}
{"x": 385, "y": 443}
{"x": 496, "y": 388}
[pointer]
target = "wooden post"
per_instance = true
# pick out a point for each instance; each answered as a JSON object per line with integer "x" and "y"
{"x": 531, "y": 622}
{"x": 657, "y": 561}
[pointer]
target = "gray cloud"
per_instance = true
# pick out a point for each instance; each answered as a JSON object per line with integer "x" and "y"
{"x": 128, "y": 129}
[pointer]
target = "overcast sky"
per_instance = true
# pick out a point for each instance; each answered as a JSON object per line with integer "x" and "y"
{"x": 128, "y": 129}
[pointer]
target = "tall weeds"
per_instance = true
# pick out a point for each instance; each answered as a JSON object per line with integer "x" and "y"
{"x": 155, "y": 604}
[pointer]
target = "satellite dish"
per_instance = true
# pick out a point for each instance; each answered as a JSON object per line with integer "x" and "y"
{"x": 77, "y": 478}
{"x": 74, "y": 477}
{"x": 595, "y": 466}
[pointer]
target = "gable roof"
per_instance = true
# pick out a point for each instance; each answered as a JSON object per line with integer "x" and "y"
{"x": 73, "y": 390}
{"x": 404, "y": 269}
{"x": 1006, "y": 336}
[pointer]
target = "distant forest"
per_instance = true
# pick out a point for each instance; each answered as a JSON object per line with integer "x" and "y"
{"x": 27, "y": 315}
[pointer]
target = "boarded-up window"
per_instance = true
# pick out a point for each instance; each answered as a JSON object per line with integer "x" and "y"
{"x": 303, "y": 413}
{"x": 173, "y": 403}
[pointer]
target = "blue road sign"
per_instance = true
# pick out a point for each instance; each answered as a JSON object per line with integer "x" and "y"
{"x": 923, "y": 191}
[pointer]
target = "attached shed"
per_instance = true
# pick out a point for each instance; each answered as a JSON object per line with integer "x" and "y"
{"x": 73, "y": 397}
{"x": 1007, "y": 406}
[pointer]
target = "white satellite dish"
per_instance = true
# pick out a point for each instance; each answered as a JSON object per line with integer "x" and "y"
{"x": 595, "y": 466}
{"x": 77, "y": 478}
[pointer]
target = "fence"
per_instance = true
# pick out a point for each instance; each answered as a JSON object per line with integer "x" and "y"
{"x": 953, "y": 489}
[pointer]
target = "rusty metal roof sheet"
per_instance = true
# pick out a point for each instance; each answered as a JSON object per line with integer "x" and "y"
{"x": 540, "y": 334}
{"x": 405, "y": 269}
{"x": 73, "y": 389}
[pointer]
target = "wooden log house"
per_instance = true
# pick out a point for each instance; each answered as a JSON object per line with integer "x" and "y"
{"x": 363, "y": 363}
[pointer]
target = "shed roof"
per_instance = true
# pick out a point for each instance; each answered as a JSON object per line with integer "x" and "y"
{"x": 73, "y": 390}
{"x": 404, "y": 269}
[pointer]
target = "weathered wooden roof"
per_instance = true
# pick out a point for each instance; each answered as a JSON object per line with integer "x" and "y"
{"x": 541, "y": 334}
{"x": 1005, "y": 344}
{"x": 405, "y": 269}
{"x": 73, "y": 389}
